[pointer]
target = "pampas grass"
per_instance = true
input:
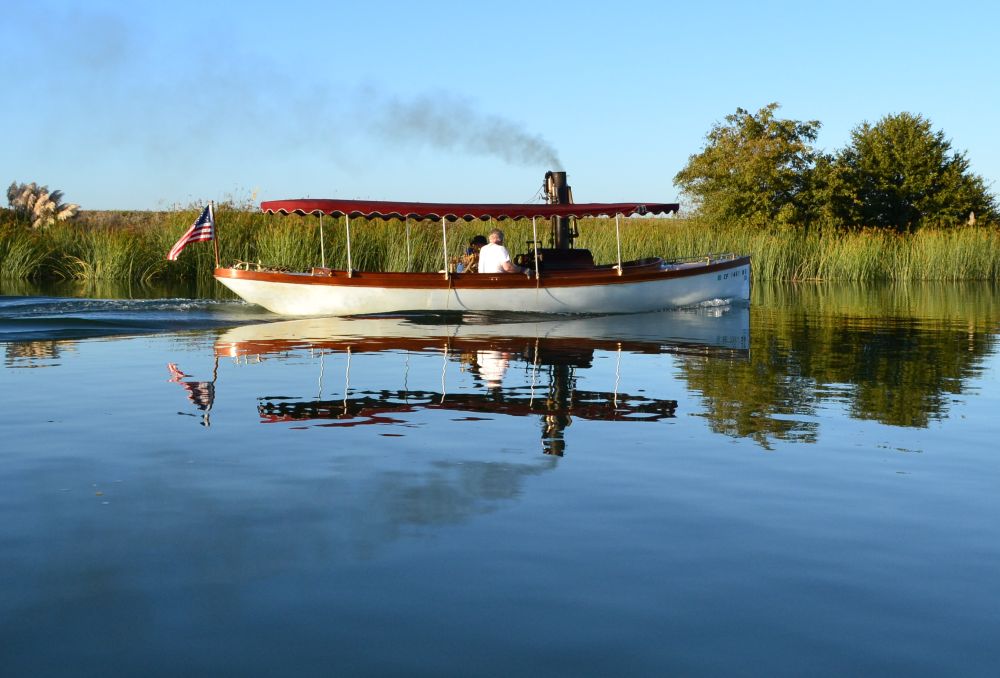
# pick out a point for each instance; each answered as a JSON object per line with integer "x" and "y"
{"x": 39, "y": 205}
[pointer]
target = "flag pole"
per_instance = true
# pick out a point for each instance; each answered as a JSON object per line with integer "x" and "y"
{"x": 215, "y": 231}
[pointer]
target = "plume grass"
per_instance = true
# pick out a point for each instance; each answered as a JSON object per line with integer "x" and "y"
{"x": 40, "y": 205}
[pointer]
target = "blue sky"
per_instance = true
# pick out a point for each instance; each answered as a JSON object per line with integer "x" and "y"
{"x": 161, "y": 104}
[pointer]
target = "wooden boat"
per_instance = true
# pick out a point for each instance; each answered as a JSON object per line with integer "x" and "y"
{"x": 562, "y": 279}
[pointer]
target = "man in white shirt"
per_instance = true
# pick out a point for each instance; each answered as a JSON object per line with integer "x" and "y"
{"x": 492, "y": 366}
{"x": 494, "y": 257}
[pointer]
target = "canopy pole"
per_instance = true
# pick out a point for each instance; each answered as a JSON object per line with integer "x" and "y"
{"x": 347, "y": 379}
{"x": 407, "y": 244}
{"x": 534, "y": 373}
{"x": 444, "y": 371}
{"x": 322, "y": 246}
{"x": 618, "y": 241}
{"x": 322, "y": 370}
{"x": 534, "y": 242}
{"x": 215, "y": 228}
{"x": 347, "y": 222}
{"x": 618, "y": 373}
{"x": 444, "y": 240}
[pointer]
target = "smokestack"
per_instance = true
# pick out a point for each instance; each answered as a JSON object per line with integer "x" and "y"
{"x": 558, "y": 192}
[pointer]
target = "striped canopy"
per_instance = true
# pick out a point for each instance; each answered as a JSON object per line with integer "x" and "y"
{"x": 427, "y": 210}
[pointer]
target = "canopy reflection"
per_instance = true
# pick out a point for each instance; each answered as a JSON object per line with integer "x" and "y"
{"x": 552, "y": 351}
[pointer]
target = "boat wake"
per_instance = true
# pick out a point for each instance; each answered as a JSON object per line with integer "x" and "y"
{"x": 48, "y": 318}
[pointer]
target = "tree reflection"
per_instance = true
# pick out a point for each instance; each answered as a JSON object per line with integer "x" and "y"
{"x": 895, "y": 355}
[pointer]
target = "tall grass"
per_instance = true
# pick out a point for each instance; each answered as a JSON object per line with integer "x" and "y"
{"x": 23, "y": 252}
{"x": 861, "y": 255}
{"x": 132, "y": 246}
{"x": 104, "y": 253}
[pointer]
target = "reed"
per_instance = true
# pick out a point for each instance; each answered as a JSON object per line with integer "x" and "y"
{"x": 280, "y": 246}
{"x": 133, "y": 246}
{"x": 23, "y": 252}
{"x": 859, "y": 255}
{"x": 105, "y": 253}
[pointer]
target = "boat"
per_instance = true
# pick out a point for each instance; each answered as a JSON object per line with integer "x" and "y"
{"x": 562, "y": 279}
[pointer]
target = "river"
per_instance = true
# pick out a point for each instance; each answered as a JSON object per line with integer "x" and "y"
{"x": 805, "y": 486}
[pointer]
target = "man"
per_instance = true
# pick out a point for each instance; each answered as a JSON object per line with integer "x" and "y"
{"x": 494, "y": 257}
{"x": 492, "y": 366}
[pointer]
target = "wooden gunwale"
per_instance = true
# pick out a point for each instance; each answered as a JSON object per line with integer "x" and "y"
{"x": 632, "y": 272}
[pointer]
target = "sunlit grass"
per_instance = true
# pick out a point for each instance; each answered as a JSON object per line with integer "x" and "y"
{"x": 23, "y": 252}
{"x": 104, "y": 253}
{"x": 133, "y": 245}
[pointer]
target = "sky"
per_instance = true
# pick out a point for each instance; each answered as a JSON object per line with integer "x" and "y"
{"x": 155, "y": 105}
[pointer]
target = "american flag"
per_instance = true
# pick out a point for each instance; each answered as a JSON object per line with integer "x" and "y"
{"x": 201, "y": 393}
{"x": 202, "y": 229}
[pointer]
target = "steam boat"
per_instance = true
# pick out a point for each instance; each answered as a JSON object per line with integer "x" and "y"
{"x": 562, "y": 279}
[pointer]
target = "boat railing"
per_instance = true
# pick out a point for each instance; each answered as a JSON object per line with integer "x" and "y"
{"x": 240, "y": 265}
{"x": 664, "y": 264}
{"x": 702, "y": 259}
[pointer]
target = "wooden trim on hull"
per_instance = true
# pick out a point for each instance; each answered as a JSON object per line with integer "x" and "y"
{"x": 603, "y": 275}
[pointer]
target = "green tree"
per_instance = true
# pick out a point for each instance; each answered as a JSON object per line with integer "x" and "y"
{"x": 899, "y": 173}
{"x": 754, "y": 168}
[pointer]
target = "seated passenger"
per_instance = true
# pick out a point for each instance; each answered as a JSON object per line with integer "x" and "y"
{"x": 492, "y": 367}
{"x": 494, "y": 257}
{"x": 470, "y": 260}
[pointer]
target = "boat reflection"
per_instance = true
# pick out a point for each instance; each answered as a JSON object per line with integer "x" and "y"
{"x": 552, "y": 352}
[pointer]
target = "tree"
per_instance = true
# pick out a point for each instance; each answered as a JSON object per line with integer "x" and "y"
{"x": 754, "y": 168}
{"x": 900, "y": 174}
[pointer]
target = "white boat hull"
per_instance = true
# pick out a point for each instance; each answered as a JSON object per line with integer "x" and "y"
{"x": 724, "y": 328}
{"x": 663, "y": 288}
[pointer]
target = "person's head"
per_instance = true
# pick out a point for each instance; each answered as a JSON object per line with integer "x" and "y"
{"x": 477, "y": 242}
{"x": 496, "y": 236}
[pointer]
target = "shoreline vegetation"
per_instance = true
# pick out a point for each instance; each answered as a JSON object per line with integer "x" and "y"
{"x": 760, "y": 186}
{"x": 132, "y": 246}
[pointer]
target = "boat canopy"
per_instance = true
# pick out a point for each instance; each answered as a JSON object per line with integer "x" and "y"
{"x": 428, "y": 210}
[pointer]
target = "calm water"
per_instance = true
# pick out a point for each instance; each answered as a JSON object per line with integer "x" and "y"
{"x": 810, "y": 486}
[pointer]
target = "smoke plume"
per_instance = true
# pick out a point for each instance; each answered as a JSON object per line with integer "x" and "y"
{"x": 444, "y": 121}
{"x": 133, "y": 100}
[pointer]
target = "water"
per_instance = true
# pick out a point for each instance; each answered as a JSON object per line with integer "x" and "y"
{"x": 808, "y": 486}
